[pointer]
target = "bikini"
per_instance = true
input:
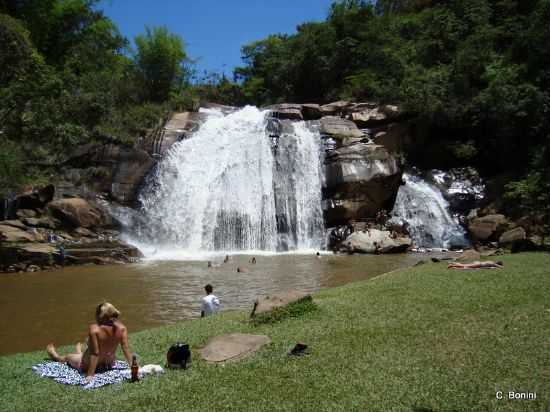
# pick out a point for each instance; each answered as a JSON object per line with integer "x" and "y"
{"x": 110, "y": 360}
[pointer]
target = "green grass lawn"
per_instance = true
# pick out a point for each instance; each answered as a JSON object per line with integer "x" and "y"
{"x": 420, "y": 339}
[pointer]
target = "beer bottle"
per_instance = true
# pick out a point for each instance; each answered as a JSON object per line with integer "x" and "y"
{"x": 135, "y": 369}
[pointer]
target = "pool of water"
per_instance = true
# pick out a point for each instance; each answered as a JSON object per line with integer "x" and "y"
{"x": 38, "y": 308}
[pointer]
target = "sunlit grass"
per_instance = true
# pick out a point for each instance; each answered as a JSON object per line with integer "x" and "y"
{"x": 425, "y": 338}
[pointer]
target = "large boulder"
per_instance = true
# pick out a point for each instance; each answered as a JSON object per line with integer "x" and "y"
{"x": 270, "y": 303}
{"x": 232, "y": 347}
{"x": 361, "y": 179}
{"x": 375, "y": 241}
{"x": 512, "y": 236}
{"x": 376, "y": 116}
{"x": 286, "y": 111}
{"x": 339, "y": 129}
{"x": 488, "y": 228}
{"x": 77, "y": 212}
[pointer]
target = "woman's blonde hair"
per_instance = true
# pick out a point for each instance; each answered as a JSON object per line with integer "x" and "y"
{"x": 105, "y": 312}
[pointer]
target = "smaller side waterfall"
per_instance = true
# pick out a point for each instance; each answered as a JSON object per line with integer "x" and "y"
{"x": 421, "y": 208}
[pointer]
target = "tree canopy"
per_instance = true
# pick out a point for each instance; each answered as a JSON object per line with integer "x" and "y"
{"x": 474, "y": 72}
{"x": 69, "y": 77}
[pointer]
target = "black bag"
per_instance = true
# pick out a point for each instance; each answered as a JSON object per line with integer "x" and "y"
{"x": 178, "y": 356}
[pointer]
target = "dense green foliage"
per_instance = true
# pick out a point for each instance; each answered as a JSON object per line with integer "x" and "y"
{"x": 69, "y": 78}
{"x": 475, "y": 72}
{"x": 421, "y": 339}
{"x": 159, "y": 60}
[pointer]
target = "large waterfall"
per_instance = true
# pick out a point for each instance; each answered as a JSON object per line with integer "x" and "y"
{"x": 422, "y": 209}
{"x": 233, "y": 187}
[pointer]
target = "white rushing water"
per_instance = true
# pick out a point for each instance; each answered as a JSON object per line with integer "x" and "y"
{"x": 423, "y": 210}
{"x": 227, "y": 189}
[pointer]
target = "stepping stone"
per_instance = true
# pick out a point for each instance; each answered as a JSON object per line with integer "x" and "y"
{"x": 232, "y": 347}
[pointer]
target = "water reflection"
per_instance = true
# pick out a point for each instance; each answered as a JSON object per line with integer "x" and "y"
{"x": 57, "y": 306}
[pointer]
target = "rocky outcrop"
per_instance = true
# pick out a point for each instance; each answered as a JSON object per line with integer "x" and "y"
{"x": 511, "y": 236}
{"x": 488, "y": 228}
{"x": 10, "y": 233}
{"x": 266, "y": 304}
{"x": 374, "y": 116}
{"x": 128, "y": 174}
{"x": 375, "y": 241}
{"x": 83, "y": 227}
{"x": 19, "y": 257}
{"x": 340, "y": 129}
{"x": 361, "y": 179}
{"x": 335, "y": 108}
{"x": 77, "y": 212}
{"x": 286, "y": 111}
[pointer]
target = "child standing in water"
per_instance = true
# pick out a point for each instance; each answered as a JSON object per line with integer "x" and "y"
{"x": 210, "y": 303}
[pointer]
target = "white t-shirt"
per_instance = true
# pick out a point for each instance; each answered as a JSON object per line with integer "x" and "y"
{"x": 210, "y": 304}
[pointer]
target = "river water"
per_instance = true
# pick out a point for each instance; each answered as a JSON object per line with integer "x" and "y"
{"x": 38, "y": 308}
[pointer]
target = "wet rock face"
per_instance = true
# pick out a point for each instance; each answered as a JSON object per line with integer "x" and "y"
{"x": 463, "y": 188}
{"x": 361, "y": 179}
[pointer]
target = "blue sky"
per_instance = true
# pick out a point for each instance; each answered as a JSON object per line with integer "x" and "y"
{"x": 215, "y": 30}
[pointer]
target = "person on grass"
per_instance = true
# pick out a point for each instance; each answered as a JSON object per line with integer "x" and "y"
{"x": 477, "y": 265}
{"x": 210, "y": 303}
{"x": 104, "y": 336}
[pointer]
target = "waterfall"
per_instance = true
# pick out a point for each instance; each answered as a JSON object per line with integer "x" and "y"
{"x": 421, "y": 208}
{"x": 231, "y": 187}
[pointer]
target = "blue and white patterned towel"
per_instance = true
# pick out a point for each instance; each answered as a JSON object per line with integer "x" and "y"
{"x": 63, "y": 373}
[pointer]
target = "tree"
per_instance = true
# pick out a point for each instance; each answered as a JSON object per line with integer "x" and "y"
{"x": 160, "y": 59}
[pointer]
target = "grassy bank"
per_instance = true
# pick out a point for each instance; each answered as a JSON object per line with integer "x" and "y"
{"x": 420, "y": 339}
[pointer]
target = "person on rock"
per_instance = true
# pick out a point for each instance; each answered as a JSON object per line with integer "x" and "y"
{"x": 104, "y": 337}
{"x": 210, "y": 303}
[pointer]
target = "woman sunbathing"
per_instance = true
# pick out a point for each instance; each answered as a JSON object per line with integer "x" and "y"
{"x": 104, "y": 336}
{"x": 477, "y": 265}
